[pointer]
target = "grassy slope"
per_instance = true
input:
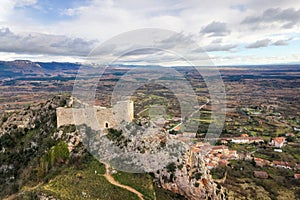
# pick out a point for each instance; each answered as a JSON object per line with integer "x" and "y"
{"x": 81, "y": 184}
{"x": 140, "y": 182}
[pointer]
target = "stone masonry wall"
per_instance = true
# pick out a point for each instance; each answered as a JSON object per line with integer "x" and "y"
{"x": 95, "y": 116}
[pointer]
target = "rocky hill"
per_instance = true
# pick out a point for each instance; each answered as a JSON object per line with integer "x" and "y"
{"x": 143, "y": 148}
{"x": 40, "y": 161}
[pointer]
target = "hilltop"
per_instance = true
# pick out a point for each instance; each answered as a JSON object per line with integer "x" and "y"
{"x": 41, "y": 161}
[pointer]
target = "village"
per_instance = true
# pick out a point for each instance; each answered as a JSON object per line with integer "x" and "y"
{"x": 221, "y": 155}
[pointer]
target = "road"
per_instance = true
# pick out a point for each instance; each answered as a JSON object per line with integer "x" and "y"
{"x": 202, "y": 106}
{"x": 111, "y": 179}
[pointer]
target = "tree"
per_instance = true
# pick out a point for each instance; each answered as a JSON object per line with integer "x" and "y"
{"x": 60, "y": 152}
{"x": 171, "y": 167}
{"x": 173, "y": 132}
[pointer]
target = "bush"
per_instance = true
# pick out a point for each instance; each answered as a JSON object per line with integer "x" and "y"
{"x": 218, "y": 173}
{"x": 114, "y": 134}
{"x": 198, "y": 175}
{"x": 171, "y": 167}
{"x": 60, "y": 152}
{"x": 4, "y": 119}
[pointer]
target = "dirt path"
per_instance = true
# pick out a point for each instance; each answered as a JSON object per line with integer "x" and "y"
{"x": 111, "y": 179}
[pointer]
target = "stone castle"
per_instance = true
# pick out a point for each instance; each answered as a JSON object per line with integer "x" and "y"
{"x": 96, "y": 117}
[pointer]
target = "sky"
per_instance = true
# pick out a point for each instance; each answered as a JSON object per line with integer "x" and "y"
{"x": 228, "y": 32}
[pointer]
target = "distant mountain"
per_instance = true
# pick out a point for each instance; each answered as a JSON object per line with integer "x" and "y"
{"x": 19, "y": 68}
{"x": 59, "y": 66}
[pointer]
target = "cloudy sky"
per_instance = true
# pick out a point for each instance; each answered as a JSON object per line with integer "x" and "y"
{"x": 230, "y": 32}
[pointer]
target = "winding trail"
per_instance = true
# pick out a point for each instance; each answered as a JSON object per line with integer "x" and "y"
{"x": 111, "y": 179}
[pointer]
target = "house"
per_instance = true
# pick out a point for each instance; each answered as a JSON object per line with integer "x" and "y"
{"x": 219, "y": 149}
{"x": 211, "y": 165}
{"x": 282, "y": 164}
{"x": 261, "y": 174}
{"x": 233, "y": 154}
{"x": 261, "y": 162}
{"x": 290, "y": 135}
{"x": 255, "y": 139}
{"x": 296, "y": 129}
{"x": 224, "y": 142}
{"x": 278, "y": 142}
{"x": 246, "y": 140}
{"x": 244, "y": 135}
{"x": 240, "y": 140}
{"x": 223, "y": 162}
{"x": 297, "y": 176}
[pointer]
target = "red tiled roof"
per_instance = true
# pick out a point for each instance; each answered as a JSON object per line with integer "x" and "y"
{"x": 297, "y": 176}
{"x": 220, "y": 147}
{"x": 244, "y": 135}
{"x": 261, "y": 160}
{"x": 279, "y": 140}
{"x": 255, "y": 139}
{"x": 281, "y": 163}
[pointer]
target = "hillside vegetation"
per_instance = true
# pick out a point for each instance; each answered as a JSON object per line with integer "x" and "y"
{"x": 36, "y": 162}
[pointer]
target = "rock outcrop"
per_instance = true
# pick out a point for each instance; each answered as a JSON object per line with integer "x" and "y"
{"x": 190, "y": 178}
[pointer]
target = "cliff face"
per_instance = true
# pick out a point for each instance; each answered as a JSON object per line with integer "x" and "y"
{"x": 190, "y": 177}
{"x": 177, "y": 167}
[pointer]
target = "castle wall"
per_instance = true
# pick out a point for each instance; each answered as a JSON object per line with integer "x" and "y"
{"x": 95, "y": 116}
{"x": 64, "y": 116}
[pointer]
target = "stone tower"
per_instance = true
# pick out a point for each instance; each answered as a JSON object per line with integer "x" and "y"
{"x": 123, "y": 111}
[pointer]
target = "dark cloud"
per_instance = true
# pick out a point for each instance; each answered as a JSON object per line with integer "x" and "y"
{"x": 259, "y": 44}
{"x": 219, "y": 40}
{"x": 281, "y": 42}
{"x": 216, "y": 45}
{"x": 43, "y": 44}
{"x": 144, "y": 51}
{"x": 219, "y": 47}
{"x": 216, "y": 29}
{"x": 287, "y": 17}
{"x": 175, "y": 40}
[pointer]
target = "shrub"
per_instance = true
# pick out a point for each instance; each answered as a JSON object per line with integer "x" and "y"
{"x": 171, "y": 167}
{"x": 60, "y": 152}
{"x": 198, "y": 175}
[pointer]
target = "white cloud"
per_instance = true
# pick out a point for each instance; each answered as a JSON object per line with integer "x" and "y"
{"x": 101, "y": 20}
{"x": 22, "y": 3}
{"x": 255, "y": 60}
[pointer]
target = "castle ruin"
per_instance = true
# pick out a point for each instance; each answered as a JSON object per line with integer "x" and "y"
{"x": 96, "y": 117}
